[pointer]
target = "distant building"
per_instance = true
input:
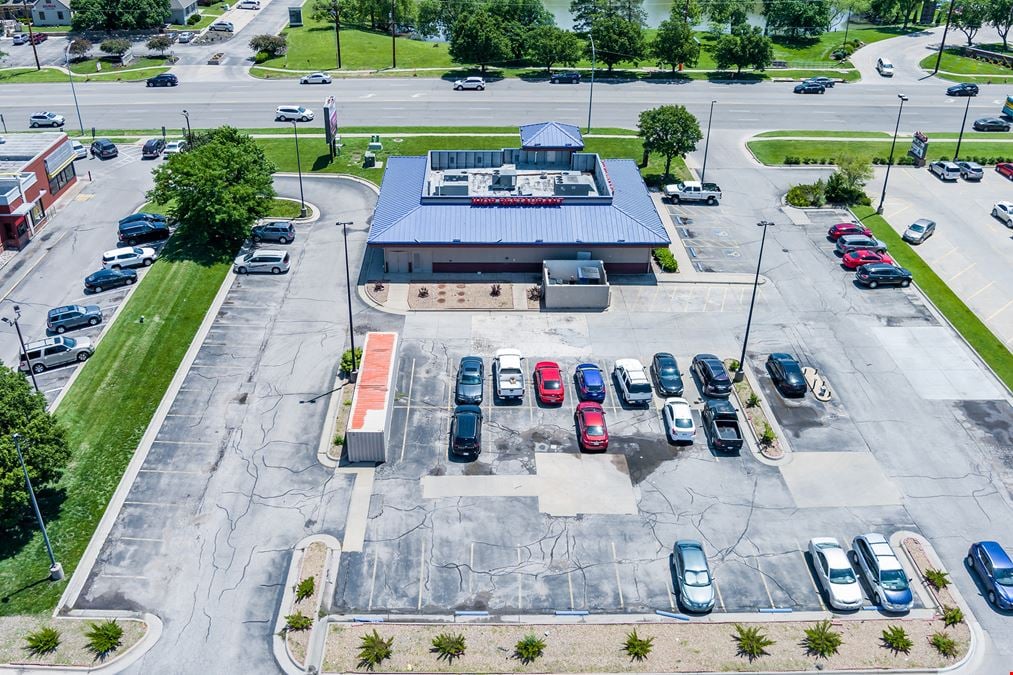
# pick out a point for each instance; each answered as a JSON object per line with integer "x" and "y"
{"x": 51, "y": 13}
{"x": 35, "y": 170}
{"x": 181, "y": 10}
{"x": 508, "y": 210}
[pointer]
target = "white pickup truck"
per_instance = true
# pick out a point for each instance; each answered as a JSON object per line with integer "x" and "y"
{"x": 694, "y": 191}
{"x": 507, "y": 374}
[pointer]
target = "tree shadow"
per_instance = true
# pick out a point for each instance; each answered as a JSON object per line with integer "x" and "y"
{"x": 728, "y": 77}
{"x": 19, "y": 535}
{"x": 190, "y": 244}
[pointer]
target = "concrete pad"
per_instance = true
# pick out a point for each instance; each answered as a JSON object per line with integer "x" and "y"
{"x": 832, "y": 479}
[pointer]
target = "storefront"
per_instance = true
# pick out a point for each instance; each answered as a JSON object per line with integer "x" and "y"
{"x": 35, "y": 170}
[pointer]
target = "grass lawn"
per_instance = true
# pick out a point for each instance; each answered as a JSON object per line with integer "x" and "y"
{"x": 90, "y": 66}
{"x": 953, "y": 62}
{"x": 26, "y": 75}
{"x": 822, "y": 134}
{"x": 988, "y": 346}
{"x": 30, "y": 75}
{"x": 311, "y": 47}
{"x": 106, "y": 412}
{"x": 280, "y": 208}
{"x": 127, "y": 76}
{"x": 773, "y": 152}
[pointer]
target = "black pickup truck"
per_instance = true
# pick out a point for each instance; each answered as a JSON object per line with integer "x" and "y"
{"x": 721, "y": 424}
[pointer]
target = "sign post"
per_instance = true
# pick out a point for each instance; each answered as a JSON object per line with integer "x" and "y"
{"x": 331, "y": 125}
{"x": 919, "y": 148}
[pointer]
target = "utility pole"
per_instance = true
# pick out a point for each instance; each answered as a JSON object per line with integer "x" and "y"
{"x": 298, "y": 164}
{"x": 70, "y": 76}
{"x": 21, "y": 341}
{"x": 31, "y": 38}
{"x": 740, "y": 373}
{"x": 189, "y": 134}
{"x": 960, "y": 136}
{"x": 55, "y": 568}
{"x": 942, "y": 44}
{"x": 348, "y": 287}
{"x": 337, "y": 30}
{"x": 707, "y": 143}
{"x": 590, "y": 93}
{"x": 393, "y": 33}
{"x": 889, "y": 163}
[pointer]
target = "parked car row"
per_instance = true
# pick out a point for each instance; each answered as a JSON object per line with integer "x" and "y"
{"x": 815, "y": 85}
{"x": 946, "y": 170}
{"x": 865, "y": 254}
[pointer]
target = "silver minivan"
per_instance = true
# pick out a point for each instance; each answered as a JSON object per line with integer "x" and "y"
{"x": 262, "y": 260}
{"x": 884, "y": 67}
{"x": 53, "y": 352}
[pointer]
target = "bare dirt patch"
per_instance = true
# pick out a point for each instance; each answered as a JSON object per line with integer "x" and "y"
{"x": 378, "y": 291}
{"x": 460, "y": 296}
{"x": 73, "y": 649}
{"x": 598, "y": 647}
{"x": 314, "y": 559}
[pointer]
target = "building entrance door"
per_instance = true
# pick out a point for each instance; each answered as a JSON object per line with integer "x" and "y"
{"x": 398, "y": 262}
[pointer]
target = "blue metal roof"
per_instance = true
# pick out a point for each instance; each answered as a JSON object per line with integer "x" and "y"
{"x": 551, "y": 135}
{"x": 401, "y": 218}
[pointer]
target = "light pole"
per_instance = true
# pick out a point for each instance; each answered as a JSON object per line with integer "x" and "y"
{"x": 960, "y": 136}
{"x": 393, "y": 33}
{"x": 942, "y": 44}
{"x": 31, "y": 36}
{"x": 70, "y": 76}
{"x": 348, "y": 287}
{"x": 707, "y": 143}
{"x": 889, "y": 163}
{"x": 55, "y": 568}
{"x": 756, "y": 282}
{"x": 590, "y": 93}
{"x": 189, "y": 134}
{"x": 21, "y": 340}
{"x": 298, "y": 164}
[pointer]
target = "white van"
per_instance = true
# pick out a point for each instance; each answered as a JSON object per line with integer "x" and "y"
{"x": 263, "y": 260}
{"x": 884, "y": 67}
{"x": 249, "y": 4}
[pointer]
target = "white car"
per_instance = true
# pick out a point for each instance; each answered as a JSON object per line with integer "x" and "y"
{"x": 249, "y": 4}
{"x": 174, "y": 148}
{"x": 315, "y": 78}
{"x": 679, "y": 420}
{"x": 222, "y": 26}
{"x": 45, "y": 119}
{"x": 884, "y": 67}
{"x": 288, "y": 113}
{"x": 835, "y": 573}
{"x": 470, "y": 83}
{"x": 80, "y": 152}
{"x": 133, "y": 256}
{"x": 634, "y": 387}
{"x": 1004, "y": 212}
{"x": 186, "y": 36}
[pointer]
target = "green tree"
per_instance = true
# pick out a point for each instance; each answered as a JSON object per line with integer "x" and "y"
{"x": 616, "y": 40}
{"x": 329, "y": 11}
{"x": 674, "y": 43}
{"x": 477, "y": 38}
{"x": 159, "y": 43}
{"x": 585, "y": 12}
{"x": 441, "y": 16}
{"x": 516, "y": 19}
{"x": 109, "y": 15}
{"x": 1000, "y": 15}
{"x": 272, "y": 45}
{"x": 43, "y": 445}
{"x": 217, "y": 189}
{"x": 744, "y": 46}
{"x": 80, "y": 47}
{"x": 549, "y": 45}
{"x": 669, "y": 130}
{"x": 969, "y": 16}
{"x": 797, "y": 17}
{"x": 115, "y": 46}
{"x": 729, "y": 12}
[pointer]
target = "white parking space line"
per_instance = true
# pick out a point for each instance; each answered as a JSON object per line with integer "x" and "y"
{"x": 182, "y": 415}
{"x": 619, "y": 585}
{"x": 422, "y": 569}
{"x": 187, "y": 473}
{"x": 717, "y": 590}
{"x": 141, "y": 539}
{"x": 668, "y": 587}
{"x": 569, "y": 582}
{"x": 520, "y": 580}
{"x": 812, "y": 581}
{"x": 219, "y": 366}
{"x": 960, "y": 272}
{"x": 724, "y": 296}
{"x": 372, "y": 579}
{"x": 122, "y": 576}
{"x": 161, "y": 504}
{"x": 763, "y": 578}
{"x": 161, "y": 440}
{"x": 999, "y": 311}
{"x": 471, "y": 568}
{"x": 408, "y": 409}
{"x": 981, "y": 290}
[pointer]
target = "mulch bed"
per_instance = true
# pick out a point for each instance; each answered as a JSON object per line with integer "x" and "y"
{"x": 461, "y": 296}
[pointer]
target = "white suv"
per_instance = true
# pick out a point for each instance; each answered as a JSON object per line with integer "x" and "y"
{"x": 119, "y": 258}
{"x": 288, "y": 113}
{"x": 884, "y": 67}
{"x": 470, "y": 83}
{"x": 45, "y": 119}
{"x": 633, "y": 383}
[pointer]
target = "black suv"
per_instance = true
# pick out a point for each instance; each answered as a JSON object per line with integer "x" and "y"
{"x": 103, "y": 148}
{"x": 140, "y": 231}
{"x": 141, "y": 215}
{"x": 883, "y": 274}
{"x": 466, "y": 431}
{"x": 711, "y": 374}
{"x": 163, "y": 80}
{"x": 565, "y": 78}
{"x": 62, "y": 319}
{"x": 786, "y": 374}
{"x": 153, "y": 148}
{"x": 667, "y": 377}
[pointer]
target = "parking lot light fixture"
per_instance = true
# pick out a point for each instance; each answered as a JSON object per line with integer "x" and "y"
{"x": 55, "y": 568}
{"x": 893, "y": 145}
{"x": 298, "y": 164}
{"x": 740, "y": 372}
{"x": 963, "y": 122}
{"x": 21, "y": 341}
{"x": 189, "y": 134}
{"x": 348, "y": 287}
{"x": 70, "y": 76}
{"x": 707, "y": 143}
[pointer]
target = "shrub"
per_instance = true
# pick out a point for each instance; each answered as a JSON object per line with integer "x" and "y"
{"x": 272, "y": 45}
{"x": 937, "y": 579}
{"x": 636, "y": 647}
{"x": 733, "y": 364}
{"x": 952, "y": 616}
{"x": 298, "y": 622}
{"x": 896, "y": 638}
{"x": 305, "y": 588}
{"x": 807, "y": 194}
{"x": 496, "y": 290}
{"x": 751, "y": 642}
{"x": 43, "y": 641}
{"x": 159, "y": 43}
{"x": 449, "y": 646}
{"x": 535, "y": 292}
{"x": 753, "y": 400}
{"x": 346, "y": 359}
{"x": 666, "y": 260}
{"x": 821, "y": 640}
{"x": 339, "y": 440}
{"x": 193, "y": 19}
{"x": 374, "y": 650}
{"x": 115, "y": 46}
{"x": 944, "y": 644}
{"x": 768, "y": 436}
{"x": 104, "y": 637}
{"x": 424, "y": 292}
{"x": 529, "y": 648}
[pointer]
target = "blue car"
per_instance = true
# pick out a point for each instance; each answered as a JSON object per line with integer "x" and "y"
{"x": 995, "y": 569}
{"x": 590, "y": 382}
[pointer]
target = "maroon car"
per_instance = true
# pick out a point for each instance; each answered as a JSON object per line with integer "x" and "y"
{"x": 1005, "y": 169}
{"x": 591, "y": 429}
{"x": 39, "y": 37}
{"x": 841, "y": 229}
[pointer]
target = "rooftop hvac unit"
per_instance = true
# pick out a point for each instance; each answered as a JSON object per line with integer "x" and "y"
{"x": 460, "y": 177}
{"x": 504, "y": 180}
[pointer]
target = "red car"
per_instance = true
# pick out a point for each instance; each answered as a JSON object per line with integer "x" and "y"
{"x": 855, "y": 259}
{"x": 549, "y": 382}
{"x": 38, "y": 38}
{"x": 592, "y": 434}
{"x": 841, "y": 229}
{"x": 1005, "y": 169}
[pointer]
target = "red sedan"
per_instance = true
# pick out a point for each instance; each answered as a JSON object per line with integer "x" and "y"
{"x": 1005, "y": 169}
{"x": 841, "y": 229}
{"x": 592, "y": 434}
{"x": 855, "y": 259}
{"x": 549, "y": 382}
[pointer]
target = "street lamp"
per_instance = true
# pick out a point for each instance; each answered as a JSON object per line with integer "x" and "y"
{"x": 590, "y": 93}
{"x": 55, "y": 568}
{"x": 70, "y": 76}
{"x": 889, "y": 163}
{"x": 942, "y": 43}
{"x": 348, "y": 287}
{"x": 31, "y": 36}
{"x": 960, "y": 137}
{"x": 756, "y": 282}
{"x": 189, "y": 134}
{"x": 707, "y": 143}
{"x": 14, "y": 322}
{"x": 298, "y": 164}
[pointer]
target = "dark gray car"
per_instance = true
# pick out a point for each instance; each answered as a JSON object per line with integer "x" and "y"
{"x": 69, "y": 317}
{"x": 919, "y": 231}
{"x": 470, "y": 376}
{"x": 281, "y": 231}
{"x": 692, "y": 576}
{"x": 667, "y": 377}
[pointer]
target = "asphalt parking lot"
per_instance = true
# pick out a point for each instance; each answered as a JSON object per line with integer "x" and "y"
{"x": 712, "y": 237}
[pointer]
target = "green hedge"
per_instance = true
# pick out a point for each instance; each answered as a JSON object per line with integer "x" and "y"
{"x": 666, "y": 261}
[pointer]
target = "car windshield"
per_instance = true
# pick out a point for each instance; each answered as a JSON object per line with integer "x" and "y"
{"x": 893, "y": 580}
{"x": 918, "y": 228}
{"x": 683, "y": 423}
{"x": 1004, "y": 576}
{"x": 669, "y": 369}
{"x": 70, "y": 342}
{"x": 842, "y": 575}
{"x": 470, "y": 378}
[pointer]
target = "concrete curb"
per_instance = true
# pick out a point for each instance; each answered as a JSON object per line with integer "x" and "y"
{"x": 87, "y": 562}
{"x": 324, "y": 446}
{"x": 771, "y": 420}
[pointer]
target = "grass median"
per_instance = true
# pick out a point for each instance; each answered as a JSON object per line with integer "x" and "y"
{"x": 774, "y": 152}
{"x": 106, "y": 412}
{"x": 989, "y": 347}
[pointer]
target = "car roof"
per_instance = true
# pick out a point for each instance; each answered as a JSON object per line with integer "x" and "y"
{"x": 848, "y": 238}
{"x": 831, "y": 549}
{"x": 677, "y": 403}
{"x": 64, "y": 308}
{"x": 632, "y": 366}
{"x": 873, "y": 267}
{"x": 692, "y": 551}
{"x": 885, "y": 557}
{"x": 594, "y": 413}
{"x": 996, "y": 554}
{"x": 924, "y": 221}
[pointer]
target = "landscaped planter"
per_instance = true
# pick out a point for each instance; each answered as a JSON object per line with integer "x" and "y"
{"x": 216, "y": 59}
{"x": 313, "y": 564}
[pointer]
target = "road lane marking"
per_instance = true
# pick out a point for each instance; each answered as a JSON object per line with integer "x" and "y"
{"x": 150, "y": 503}
{"x": 188, "y": 473}
{"x": 619, "y": 585}
{"x": 121, "y": 576}
{"x": 372, "y": 580}
{"x": 169, "y": 442}
{"x": 520, "y": 580}
{"x": 408, "y": 410}
{"x": 141, "y": 539}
